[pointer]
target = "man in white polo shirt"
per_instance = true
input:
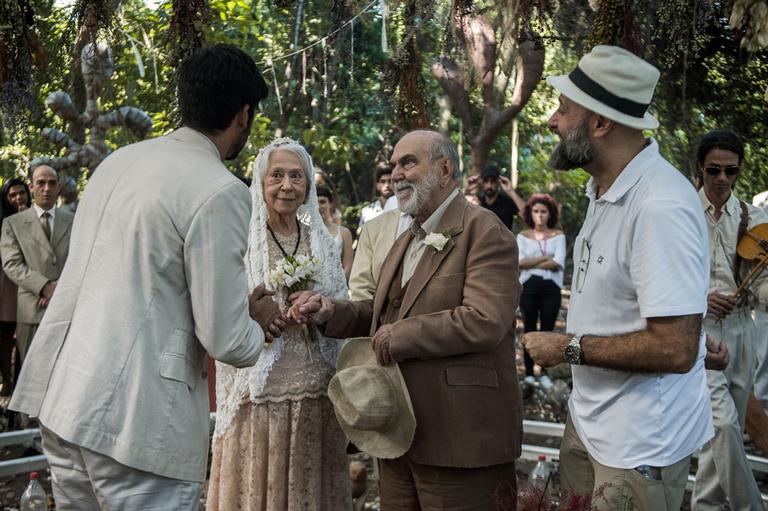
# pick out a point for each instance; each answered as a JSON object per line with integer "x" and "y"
{"x": 640, "y": 404}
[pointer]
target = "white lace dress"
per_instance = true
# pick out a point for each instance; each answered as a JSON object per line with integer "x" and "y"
{"x": 284, "y": 449}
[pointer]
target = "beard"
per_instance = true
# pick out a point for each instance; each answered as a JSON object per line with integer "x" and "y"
{"x": 420, "y": 192}
{"x": 234, "y": 151}
{"x": 574, "y": 150}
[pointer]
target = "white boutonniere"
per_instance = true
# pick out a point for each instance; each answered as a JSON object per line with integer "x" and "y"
{"x": 437, "y": 240}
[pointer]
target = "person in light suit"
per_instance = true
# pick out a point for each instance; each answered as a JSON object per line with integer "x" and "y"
{"x": 34, "y": 247}
{"x": 155, "y": 279}
{"x": 376, "y": 238}
{"x": 441, "y": 311}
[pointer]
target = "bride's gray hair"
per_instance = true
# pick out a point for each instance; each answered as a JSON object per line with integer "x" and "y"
{"x": 262, "y": 159}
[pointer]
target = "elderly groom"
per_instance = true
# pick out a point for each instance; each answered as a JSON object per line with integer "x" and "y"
{"x": 442, "y": 313}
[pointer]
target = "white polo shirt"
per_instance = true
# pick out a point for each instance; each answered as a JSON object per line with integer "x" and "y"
{"x": 641, "y": 253}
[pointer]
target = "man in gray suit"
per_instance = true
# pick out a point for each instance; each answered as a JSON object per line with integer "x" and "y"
{"x": 34, "y": 247}
{"x": 155, "y": 279}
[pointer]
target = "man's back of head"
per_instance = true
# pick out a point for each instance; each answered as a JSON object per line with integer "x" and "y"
{"x": 213, "y": 86}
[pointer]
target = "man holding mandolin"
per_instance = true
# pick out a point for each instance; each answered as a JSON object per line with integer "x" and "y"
{"x": 724, "y": 474}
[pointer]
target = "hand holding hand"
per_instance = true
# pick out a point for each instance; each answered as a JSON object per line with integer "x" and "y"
{"x": 719, "y": 304}
{"x": 309, "y": 306}
{"x": 264, "y": 310}
{"x": 546, "y": 348}
{"x": 717, "y": 357}
{"x": 381, "y": 341}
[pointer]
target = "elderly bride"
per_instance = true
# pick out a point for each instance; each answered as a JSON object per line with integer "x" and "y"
{"x": 277, "y": 444}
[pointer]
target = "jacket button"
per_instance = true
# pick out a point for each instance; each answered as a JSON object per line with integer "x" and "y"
{"x": 396, "y": 303}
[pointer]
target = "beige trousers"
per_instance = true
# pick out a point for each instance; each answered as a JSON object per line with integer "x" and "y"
{"x": 615, "y": 488}
{"x": 84, "y": 480}
{"x": 724, "y": 475}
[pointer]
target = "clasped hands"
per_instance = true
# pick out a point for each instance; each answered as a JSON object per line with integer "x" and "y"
{"x": 311, "y": 307}
{"x": 305, "y": 307}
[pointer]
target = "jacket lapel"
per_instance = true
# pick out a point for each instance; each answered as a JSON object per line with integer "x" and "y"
{"x": 388, "y": 272}
{"x": 453, "y": 222}
{"x": 61, "y": 224}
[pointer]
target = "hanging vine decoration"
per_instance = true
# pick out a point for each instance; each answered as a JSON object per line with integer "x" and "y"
{"x": 20, "y": 50}
{"x": 403, "y": 79}
{"x": 185, "y": 30}
{"x": 97, "y": 67}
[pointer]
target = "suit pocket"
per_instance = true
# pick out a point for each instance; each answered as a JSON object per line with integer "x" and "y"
{"x": 451, "y": 279}
{"x": 471, "y": 376}
{"x": 175, "y": 366}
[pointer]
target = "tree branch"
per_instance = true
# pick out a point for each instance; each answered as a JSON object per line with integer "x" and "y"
{"x": 448, "y": 75}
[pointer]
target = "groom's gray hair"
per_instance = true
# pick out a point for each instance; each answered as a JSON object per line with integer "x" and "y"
{"x": 443, "y": 147}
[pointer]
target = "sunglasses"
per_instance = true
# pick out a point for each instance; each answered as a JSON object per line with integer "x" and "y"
{"x": 714, "y": 170}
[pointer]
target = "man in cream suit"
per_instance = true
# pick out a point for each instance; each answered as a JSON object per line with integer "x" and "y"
{"x": 441, "y": 311}
{"x": 34, "y": 248}
{"x": 155, "y": 279}
{"x": 376, "y": 238}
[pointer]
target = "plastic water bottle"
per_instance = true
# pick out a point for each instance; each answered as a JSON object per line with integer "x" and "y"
{"x": 33, "y": 498}
{"x": 541, "y": 479}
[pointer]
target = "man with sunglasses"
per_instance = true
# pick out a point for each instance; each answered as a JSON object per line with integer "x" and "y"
{"x": 724, "y": 476}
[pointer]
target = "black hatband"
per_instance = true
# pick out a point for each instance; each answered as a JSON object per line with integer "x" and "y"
{"x": 600, "y": 93}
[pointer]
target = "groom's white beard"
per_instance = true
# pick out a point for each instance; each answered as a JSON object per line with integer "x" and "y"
{"x": 419, "y": 193}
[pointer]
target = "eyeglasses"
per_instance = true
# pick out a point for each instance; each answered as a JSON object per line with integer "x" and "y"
{"x": 714, "y": 170}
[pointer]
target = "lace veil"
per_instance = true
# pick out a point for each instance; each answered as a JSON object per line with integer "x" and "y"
{"x": 234, "y": 385}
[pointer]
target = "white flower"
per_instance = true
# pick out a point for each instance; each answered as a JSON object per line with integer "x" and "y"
{"x": 436, "y": 240}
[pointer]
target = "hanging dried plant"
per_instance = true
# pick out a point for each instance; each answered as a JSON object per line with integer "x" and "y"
{"x": 19, "y": 52}
{"x": 185, "y": 31}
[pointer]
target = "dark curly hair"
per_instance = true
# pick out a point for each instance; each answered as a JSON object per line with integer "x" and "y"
{"x": 549, "y": 202}
{"x": 7, "y": 207}
{"x": 214, "y": 84}
{"x": 719, "y": 139}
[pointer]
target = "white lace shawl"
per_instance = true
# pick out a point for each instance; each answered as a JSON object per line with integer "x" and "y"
{"x": 234, "y": 385}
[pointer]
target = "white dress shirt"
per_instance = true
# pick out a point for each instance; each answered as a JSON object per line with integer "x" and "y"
{"x": 417, "y": 246}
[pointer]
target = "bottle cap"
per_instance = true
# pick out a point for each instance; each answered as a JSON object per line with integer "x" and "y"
{"x": 542, "y": 457}
{"x": 33, "y": 475}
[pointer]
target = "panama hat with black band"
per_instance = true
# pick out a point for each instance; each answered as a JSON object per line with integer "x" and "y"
{"x": 614, "y": 83}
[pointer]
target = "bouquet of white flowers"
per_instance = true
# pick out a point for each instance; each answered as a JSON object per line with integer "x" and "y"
{"x": 294, "y": 273}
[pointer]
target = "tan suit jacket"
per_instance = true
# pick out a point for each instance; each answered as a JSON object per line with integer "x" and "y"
{"x": 30, "y": 260}
{"x": 376, "y": 238}
{"x": 454, "y": 339}
{"x": 155, "y": 278}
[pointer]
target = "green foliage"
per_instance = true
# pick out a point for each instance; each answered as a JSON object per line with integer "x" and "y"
{"x": 333, "y": 97}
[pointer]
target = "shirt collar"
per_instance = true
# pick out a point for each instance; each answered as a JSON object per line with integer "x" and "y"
{"x": 432, "y": 222}
{"x": 629, "y": 176}
{"x": 731, "y": 206}
{"x": 40, "y": 211}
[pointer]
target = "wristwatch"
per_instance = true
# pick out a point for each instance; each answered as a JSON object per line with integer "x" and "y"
{"x": 573, "y": 354}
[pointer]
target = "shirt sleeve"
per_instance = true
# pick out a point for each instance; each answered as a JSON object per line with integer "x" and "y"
{"x": 559, "y": 257}
{"x": 213, "y": 258}
{"x": 669, "y": 261}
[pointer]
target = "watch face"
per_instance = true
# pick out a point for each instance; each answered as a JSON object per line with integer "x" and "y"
{"x": 572, "y": 354}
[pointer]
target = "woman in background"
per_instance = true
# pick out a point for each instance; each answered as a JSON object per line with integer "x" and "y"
{"x": 15, "y": 197}
{"x": 542, "y": 259}
{"x": 342, "y": 237}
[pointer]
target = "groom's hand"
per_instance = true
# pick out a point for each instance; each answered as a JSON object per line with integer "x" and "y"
{"x": 381, "y": 341}
{"x": 264, "y": 310}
